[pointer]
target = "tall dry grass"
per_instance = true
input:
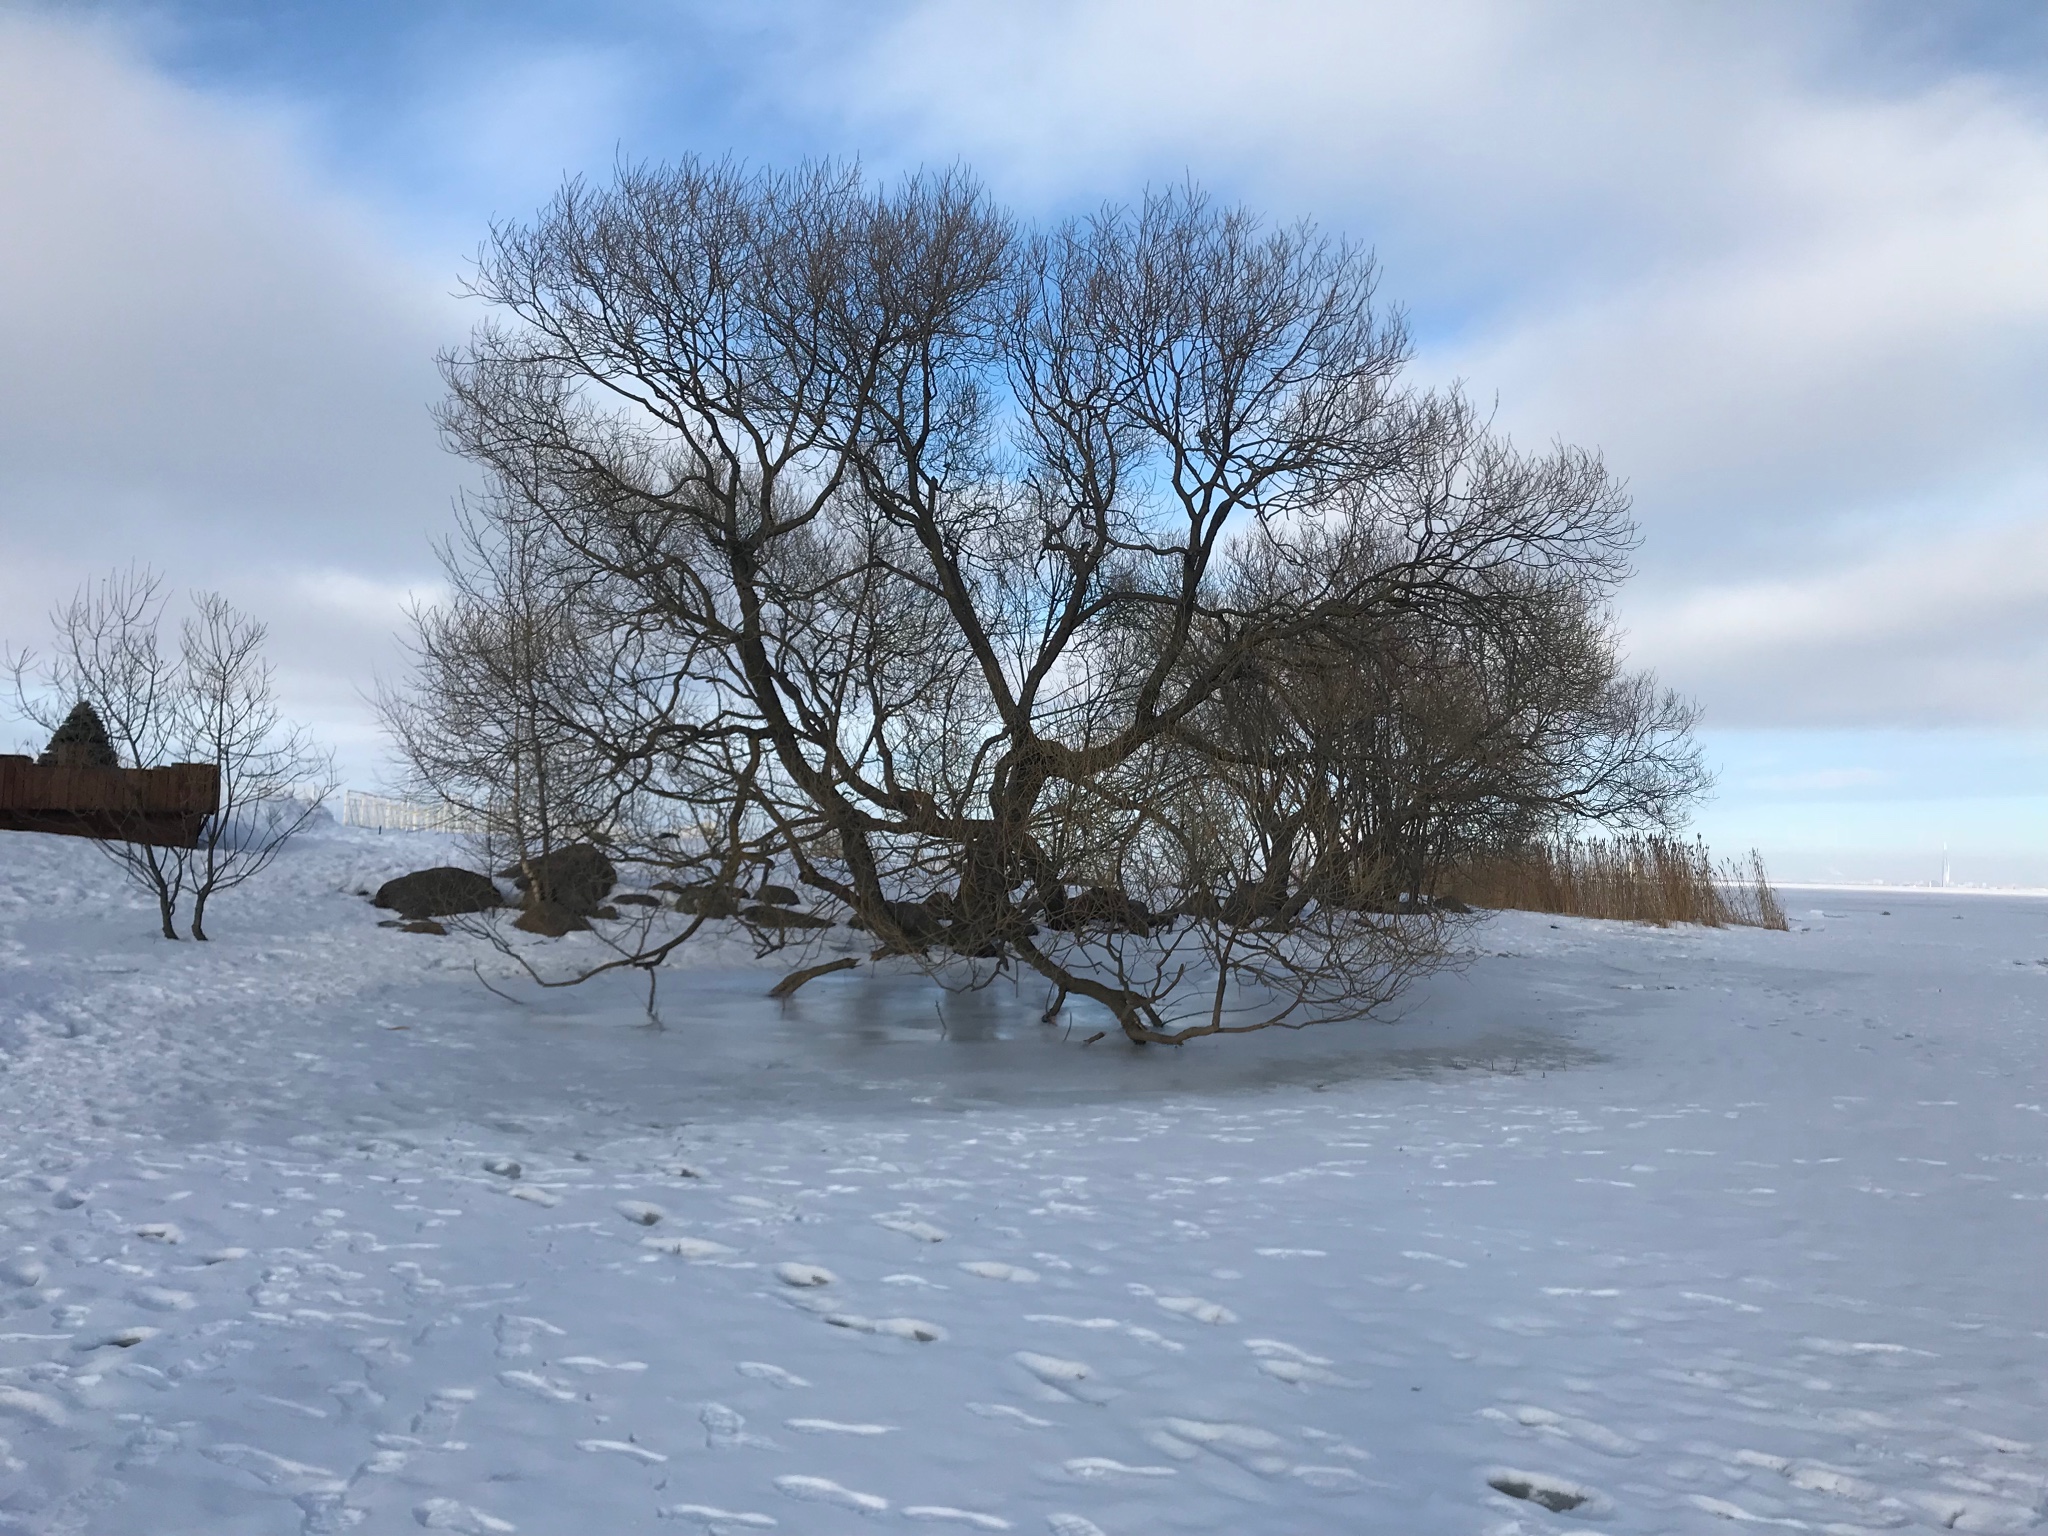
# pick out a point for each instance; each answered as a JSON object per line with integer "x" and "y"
{"x": 1633, "y": 879}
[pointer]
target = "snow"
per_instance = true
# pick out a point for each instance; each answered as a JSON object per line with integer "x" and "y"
{"x": 1616, "y": 1228}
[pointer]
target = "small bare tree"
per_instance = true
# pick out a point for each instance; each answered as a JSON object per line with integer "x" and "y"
{"x": 211, "y": 700}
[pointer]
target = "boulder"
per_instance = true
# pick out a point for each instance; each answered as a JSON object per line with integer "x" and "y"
{"x": 777, "y": 896}
{"x": 711, "y": 899}
{"x": 575, "y": 878}
{"x": 440, "y": 892}
{"x": 550, "y": 921}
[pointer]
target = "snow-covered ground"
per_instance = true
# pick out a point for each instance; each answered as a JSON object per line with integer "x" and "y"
{"x": 309, "y": 1231}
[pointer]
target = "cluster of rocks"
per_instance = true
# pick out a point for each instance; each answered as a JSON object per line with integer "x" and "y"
{"x": 561, "y": 891}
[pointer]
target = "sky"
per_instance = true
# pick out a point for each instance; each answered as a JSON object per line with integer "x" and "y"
{"x": 1785, "y": 266}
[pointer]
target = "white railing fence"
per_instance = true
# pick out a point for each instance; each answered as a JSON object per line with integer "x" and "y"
{"x": 382, "y": 813}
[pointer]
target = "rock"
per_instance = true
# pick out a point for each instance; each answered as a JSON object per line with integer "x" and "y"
{"x": 636, "y": 899}
{"x": 80, "y": 742}
{"x": 575, "y": 878}
{"x": 440, "y": 892}
{"x": 1101, "y": 907}
{"x": 708, "y": 900}
{"x": 777, "y": 896}
{"x": 423, "y": 925}
{"x": 550, "y": 921}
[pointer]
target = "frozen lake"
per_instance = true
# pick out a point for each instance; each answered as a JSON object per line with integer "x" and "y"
{"x": 1668, "y": 1229}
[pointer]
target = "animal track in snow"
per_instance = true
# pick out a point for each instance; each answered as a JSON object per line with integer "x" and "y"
{"x": 990, "y": 1269}
{"x": 640, "y": 1212}
{"x": 822, "y": 1490}
{"x": 1064, "y": 1376}
{"x": 546, "y": 1199}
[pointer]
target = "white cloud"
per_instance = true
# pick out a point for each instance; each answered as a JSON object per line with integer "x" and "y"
{"x": 1792, "y": 292}
{"x": 205, "y": 363}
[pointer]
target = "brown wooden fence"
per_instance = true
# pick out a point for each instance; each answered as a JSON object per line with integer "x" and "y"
{"x": 164, "y": 806}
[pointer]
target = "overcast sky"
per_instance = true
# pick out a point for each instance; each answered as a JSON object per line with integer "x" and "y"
{"x": 1786, "y": 265}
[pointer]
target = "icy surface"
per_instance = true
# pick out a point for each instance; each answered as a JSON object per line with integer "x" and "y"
{"x": 1616, "y": 1229}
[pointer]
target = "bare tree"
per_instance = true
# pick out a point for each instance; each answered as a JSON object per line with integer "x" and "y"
{"x": 918, "y": 552}
{"x": 212, "y": 700}
{"x": 274, "y": 779}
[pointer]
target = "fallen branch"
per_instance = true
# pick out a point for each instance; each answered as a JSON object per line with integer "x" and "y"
{"x": 788, "y": 985}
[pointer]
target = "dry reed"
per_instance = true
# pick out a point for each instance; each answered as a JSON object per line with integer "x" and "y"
{"x": 1632, "y": 879}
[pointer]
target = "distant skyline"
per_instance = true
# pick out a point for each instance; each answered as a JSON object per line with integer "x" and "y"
{"x": 1787, "y": 266}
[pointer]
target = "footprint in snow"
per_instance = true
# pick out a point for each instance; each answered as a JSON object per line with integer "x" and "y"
{"x": 1005, "y": 1411}
{"x": 1296, "y": 1367}
{"x": 774, "y": 1375}
{"x": 888, "y": 1327}
{"x": 1557, "y": 1494}
{"x": 536, "y": 1385}
{"x": 694, "y": 1249}
{"x": 910, "y": 1226}
{"x": 515, "y": 1334}
{"x": 1196, "y": 1308}
{"x": 622, "y": 1448}
{"x": 834, "y": 1427}
{"x": 592, "y": 1365}
{"x": 716, "y": 1520}
{"x": 725, "y": 1429}
{"x": 452, "y": 1515}
{"x": 161, "y": 1298}
{"x": 989, "y": 1269}
{"x": 802, "y": 1275}
{"x": 1063, "y": 1378}
{"x": 1102, "y": 1469}
{"x": 1564, "y": 1427}
{"x": 951, "y": 1516}
{"x": 1256, "y": 1450}
{"x": 822, "y": 1490}
{"x": 292, "y": 1478}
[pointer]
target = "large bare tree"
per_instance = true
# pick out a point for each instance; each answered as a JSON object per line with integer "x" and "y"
{"x": 862, "y": 533}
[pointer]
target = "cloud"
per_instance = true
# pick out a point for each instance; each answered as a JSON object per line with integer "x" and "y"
{"x": 206, "y": 363}
{"x": 1785, "y": 275}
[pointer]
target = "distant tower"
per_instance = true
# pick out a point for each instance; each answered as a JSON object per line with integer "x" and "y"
{"x": 1944, "y": 863}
